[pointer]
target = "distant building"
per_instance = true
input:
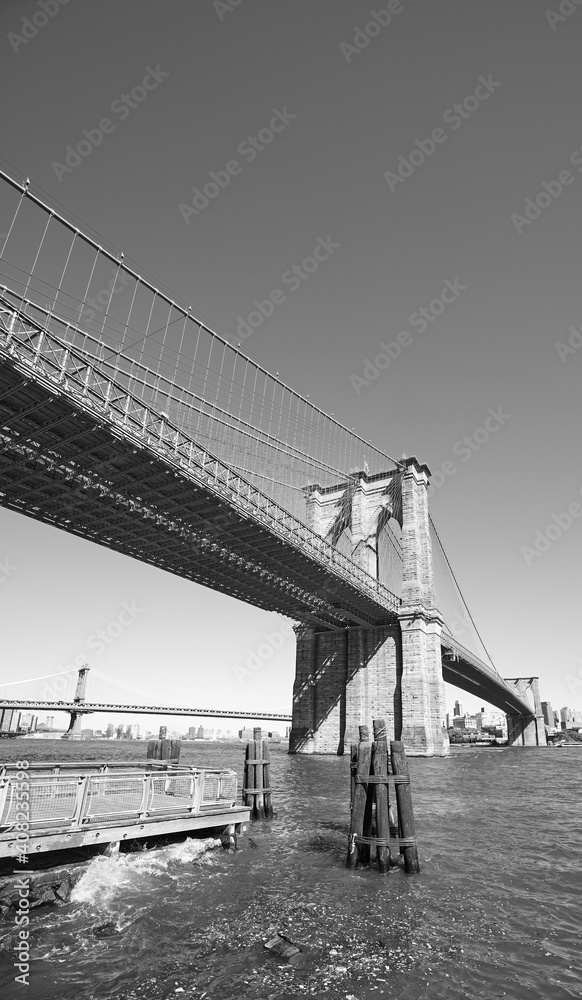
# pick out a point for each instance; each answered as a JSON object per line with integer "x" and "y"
{"x": 458, "y": 709}
{"x": 490, "y": 720}
{"x": 119, "y": 732}
{"x": 87, "y": 734}
{"x": 567, "y": 718}
{"x": 50, "y": 722}
{"x": 468, "y": 722}
{"x": 9, "y": 720}
{"x": 110, "y": 730}
{"x": 548, "y": 714}
{"x": 28, "y": 722}
{"x": 135, "y": 731}
{"x": 245, "y": 734}
{"x": 192, "y": 733}
{"x": 163, "y": 732}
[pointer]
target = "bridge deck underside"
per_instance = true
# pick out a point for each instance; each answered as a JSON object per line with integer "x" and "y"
{"x": 66, "y": 465}
{"x": 465, "y": 671}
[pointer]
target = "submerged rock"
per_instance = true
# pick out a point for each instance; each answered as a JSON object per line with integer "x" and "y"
{"x": 105, "y": 929}
{"x": 282, "y": 947}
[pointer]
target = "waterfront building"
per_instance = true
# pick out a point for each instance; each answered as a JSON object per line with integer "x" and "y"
{"x": 548, "y": 714}
{"x": 110, "y": 730}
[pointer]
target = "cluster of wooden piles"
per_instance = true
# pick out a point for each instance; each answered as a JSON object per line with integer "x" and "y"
{"x": 257, "y": 777}
{"x": 374, "y": 826}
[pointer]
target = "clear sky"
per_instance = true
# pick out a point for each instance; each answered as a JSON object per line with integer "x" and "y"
{"x": 352, "y": 118}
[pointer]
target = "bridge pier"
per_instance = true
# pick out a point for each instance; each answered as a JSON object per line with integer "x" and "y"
{"x": 527, "y": 730}
{"x": 74, "y": 730}
{"x": 394, "y": 671}
{"x": 342, "y": 680}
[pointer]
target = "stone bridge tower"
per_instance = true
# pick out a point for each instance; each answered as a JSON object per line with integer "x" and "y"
{"x": 347, "y": 677}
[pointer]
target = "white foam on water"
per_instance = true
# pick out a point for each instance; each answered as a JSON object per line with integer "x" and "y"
{"x": 108, "y": 878}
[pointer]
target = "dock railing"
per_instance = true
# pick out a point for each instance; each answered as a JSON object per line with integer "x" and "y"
{"x": 67, "y": 797}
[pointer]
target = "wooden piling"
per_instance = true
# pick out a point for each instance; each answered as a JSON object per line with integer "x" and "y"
{"x": 164, "y": 750}
{"x": 380, "y": 770}
{"x": 249, "y": 778}
{"x": 267, "y": 780}
{"x": 257, "y": 778}
{"x": 353, "y": 772}
{"x": 259, "y": 797}
{"x": 359, "y": 807}
{"x": 404, "y": 802}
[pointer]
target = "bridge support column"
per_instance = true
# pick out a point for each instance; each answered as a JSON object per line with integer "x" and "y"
{"x": 527, "y": 730}
{"x": 344, "y": 680}
{"x": 74, "y": 730}
{"x": 423, "y": 689}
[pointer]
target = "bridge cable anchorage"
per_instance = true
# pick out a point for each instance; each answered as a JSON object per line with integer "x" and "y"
{"x": 459, "y": 592}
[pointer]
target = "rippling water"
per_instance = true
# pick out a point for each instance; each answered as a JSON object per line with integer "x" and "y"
{"x": 495, "y": 911}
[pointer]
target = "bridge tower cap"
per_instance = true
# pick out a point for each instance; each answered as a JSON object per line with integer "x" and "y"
{"x": 413, "y": 462}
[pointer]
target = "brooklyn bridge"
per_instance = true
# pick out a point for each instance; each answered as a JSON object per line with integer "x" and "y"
{"x": 130, "y": 423}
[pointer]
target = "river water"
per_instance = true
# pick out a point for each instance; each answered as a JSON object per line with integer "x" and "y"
{"x": 495, "y": 911}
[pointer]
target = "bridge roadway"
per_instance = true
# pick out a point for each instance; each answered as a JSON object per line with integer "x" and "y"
{"x": 79, "y": 451}
{"x": 86, "y": 707}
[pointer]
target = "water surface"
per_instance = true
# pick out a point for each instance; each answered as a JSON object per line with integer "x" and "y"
{"x": 495, "y": 911}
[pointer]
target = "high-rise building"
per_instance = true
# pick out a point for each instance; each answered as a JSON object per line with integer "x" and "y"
{"x": 458, "y": 709}
{"x": 567, "y": 718}
{"x": 110, "y": 730}
{"x": 9, "y": 720}
{"x": 28, "y": 721}
{"x": 50, "y": 722}
{"x": 192, "y": 733}
{"x": 548, "y": 714}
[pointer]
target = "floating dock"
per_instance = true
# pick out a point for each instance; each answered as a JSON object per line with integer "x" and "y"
{"x": 53, "y": 807}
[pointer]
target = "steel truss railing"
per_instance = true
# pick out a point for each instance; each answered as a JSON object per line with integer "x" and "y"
{"x": 49, "y": 356}
{"x": 75, "y": 800}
